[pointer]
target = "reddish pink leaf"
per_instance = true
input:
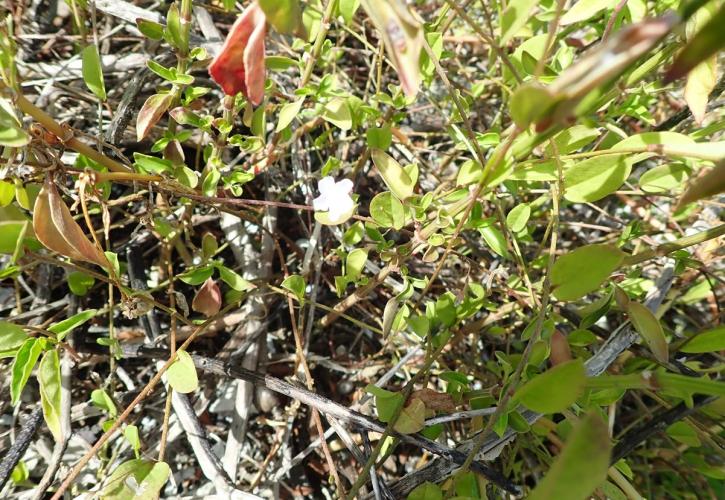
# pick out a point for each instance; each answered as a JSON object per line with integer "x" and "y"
{"x": 208, "y": 300}
{"x": 239, "y": 66}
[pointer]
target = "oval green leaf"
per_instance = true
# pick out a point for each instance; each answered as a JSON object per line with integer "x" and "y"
{"x": 49, "y": 381}
{"x": 554, "y": 390}
{"x": 396, "y": 178}
{"x": 93, "y": 72}
{"x": 182, "y": 373}
{"x": 583, "y": 270}
{"x": 649, "y": 327}
{"x": 593, "y": 179}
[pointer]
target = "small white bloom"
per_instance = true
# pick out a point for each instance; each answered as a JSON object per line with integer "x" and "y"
{"x": 334, "y": 198}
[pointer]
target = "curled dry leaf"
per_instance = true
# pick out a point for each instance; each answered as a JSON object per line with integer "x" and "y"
{"x": 709, "y": 184}
{"x": 403, "y": 38}
{"x": 239, "y": 66}
{"x": 208, "y": 300}
{"x": 55, "y": 227}
{"x": 434, "y": 400}
{"x": 560, "y": 351}
{"x": 150, "y": 113}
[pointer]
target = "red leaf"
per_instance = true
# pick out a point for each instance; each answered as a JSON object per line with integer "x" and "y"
{"x": 239, "y": 66}
{"x": 208, "y": 300}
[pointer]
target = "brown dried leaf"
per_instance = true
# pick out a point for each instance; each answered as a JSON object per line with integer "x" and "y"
{"x": 208, "y": 300}
{"x": 709, "y": 184}
{"x": 151, "y": 111}
{"x": 58, "y": 231}
{"x": 434, "y": 400}
{"x": 560, "y": 351}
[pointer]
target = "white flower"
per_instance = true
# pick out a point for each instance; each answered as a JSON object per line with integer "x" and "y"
{"x": 334, "y": 198}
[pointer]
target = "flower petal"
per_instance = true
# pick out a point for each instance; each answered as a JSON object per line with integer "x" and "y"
{"x": 321, "y": 203}
{"x": 326, "y": 185}
{"x": 344, "y": 185}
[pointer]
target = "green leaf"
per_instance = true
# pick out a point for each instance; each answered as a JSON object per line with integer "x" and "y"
{"x": 348, "y": 9}
{"x": 554, "y": 390}
{"x": 529, "y": 104}
{"x": 131, "y": 435}
{"x": 337, "y": 112}
{"x": 386, "y": 402}
{"x": 398, "y": 179}
{"x": 284, "y": 15}
{"x": 136, "y": 479}
{"x": 585, "y": 9}
{"x": 168, "y": 74}
{"x": 101, "y": 399}
{"x": 387, "y": 211}
{"x": 79, "y": 283}
{"x": 174, "y": 32}
{"x": 295, "y": 284}
{"x": 495, "y": 240}
{"x": 582, "y": 465}
{"x": 583, "y": 270}
{"x": 706, "y": 43}
{"x": 426, "y": 491}
{"x": 11, "y": 131}
{"x": 709, "y": 341}
{"x": 93, "y": 71}
{"x": 355, "y": 263}
{"x": 7, "y": 193}
{"x": 62, "y": 328}
{"x": 689, "y": 385}
{"x": 150, "y": 29}
{"x": 288, "y": 113}
{"x": 210, "y": 182}
{"x": 233, "y": 279}
{"x": 23, "y": 365}
{"x": 572, "y": 139}
{"x": 514, "y": 17}
{"x": 683, "y": 433}
{"x": 49, "y": 381}
{"x": 518, "y": 217}
{"x": 469, "y": 173}
{"x": 379, "y": 137}
{"x": 152, "y": 164}
{"x": 196, "y": 276}
{"x": 279, "y": 63}
{"x": 11, "y": 336}
{"x": 664, "y": 178}
{"x": 594, "y": 178}
{"x": 112, "y": 258}
{"x": 182, "y": 373}
{"x": 649, "y": 327}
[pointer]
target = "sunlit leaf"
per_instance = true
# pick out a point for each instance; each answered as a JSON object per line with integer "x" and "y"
{"x": 284, "y": 15}
{"x": 182, "y": 373}
{"x": 23, "y": 365}
{"x": 709, "y": 341}
{"x": 649, "y": 327}
{"x": 396, "y": 178}
{"x": 582, "y": 465}
{"x": 93, "y": 71}
{"x": 701, "y": 47}
{"x": 49, "y": 381}
{"x": 583, "y": 270}
{"x": 11, "y": 336}
{"x": 151, "y": 111}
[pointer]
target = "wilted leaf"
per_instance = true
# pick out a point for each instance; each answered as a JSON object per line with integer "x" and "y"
{"x": 49, "y": 380}
{"x": 182, "y": 373}
{"x": 56, "y": 229}
{"x": 402, "y": 35}
{"x": 150, "y": 113}
{"x": 560, "y": 351}
{"x": 391, "y": 309}
{"x": 701, "y": 47}
{"x": 709, "y": 184}
{"x": 583, "y": 270}
{"x": 208, "y": 300}
{"x": 93, "y": 71}
{"x": 554, "y": 390}
{"x": 649, "y": 327}
{"x": 411, "y": 418}
{"x": 582, "y": 465}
